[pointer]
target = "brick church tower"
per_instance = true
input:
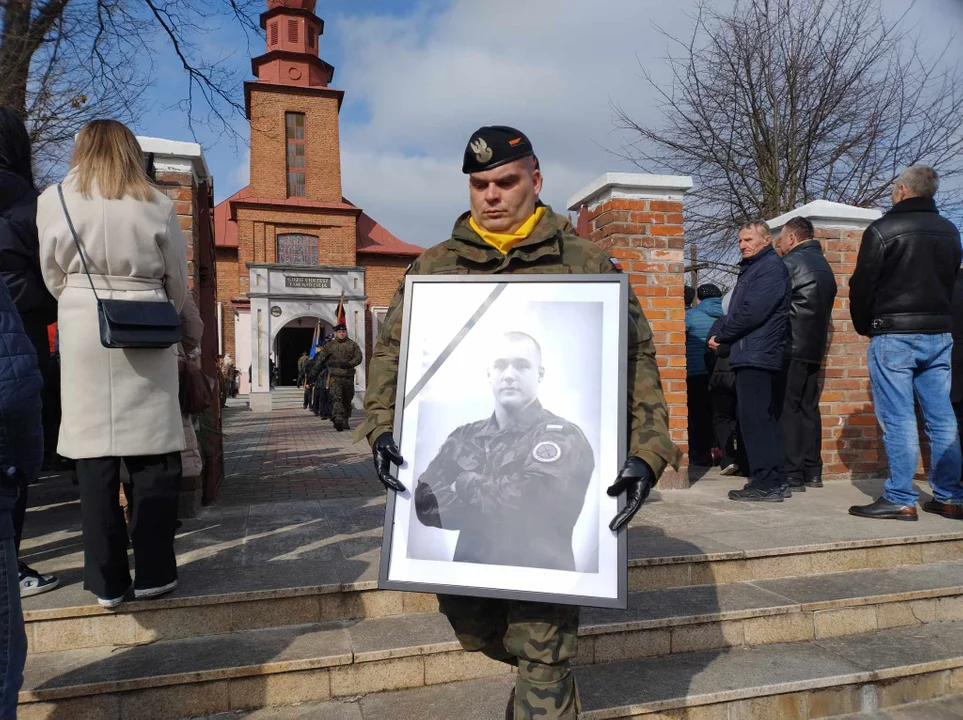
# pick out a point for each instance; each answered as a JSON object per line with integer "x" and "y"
{"x": 289, "y": 245}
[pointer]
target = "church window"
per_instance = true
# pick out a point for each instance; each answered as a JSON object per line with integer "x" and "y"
{"x": 294, "y": 135}
{"x": 297, "y": 249}
{"x": 311, "y": 38}
{"x": 292, "y": 31}
{"x": 274, "y": 33}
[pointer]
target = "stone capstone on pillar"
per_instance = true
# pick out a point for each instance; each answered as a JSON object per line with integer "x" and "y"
{"x": 638, "y": 219}
{"x": 851, "y": 444}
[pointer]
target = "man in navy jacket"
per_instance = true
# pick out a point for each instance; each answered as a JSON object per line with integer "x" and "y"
{"x": 756, "y": 329}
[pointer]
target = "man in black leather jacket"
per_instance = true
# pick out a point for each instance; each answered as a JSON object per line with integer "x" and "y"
{"x": 901, "y": 295}
{"x": 813, "y": 294}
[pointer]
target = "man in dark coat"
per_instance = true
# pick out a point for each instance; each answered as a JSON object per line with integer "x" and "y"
{"x": 956, "y": 383}
{"x": 813, "y": 295}
{"x": 901, "y": 296}
{"x": 725, "y": 416}
{"x": 21, "y": 455}
{"x": 755, "y": 327}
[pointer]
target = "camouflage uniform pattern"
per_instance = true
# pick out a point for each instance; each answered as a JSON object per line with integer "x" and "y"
{"x": 541, "y": 638}
{"x": 528, "y": 482}
{"x": 340, "y": 357}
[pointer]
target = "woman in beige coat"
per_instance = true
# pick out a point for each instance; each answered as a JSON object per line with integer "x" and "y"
{"x": 118, "y": 404}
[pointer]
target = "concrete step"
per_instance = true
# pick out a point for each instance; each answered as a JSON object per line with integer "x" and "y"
{"x": 387, "y": 653}
{"x": 794, "y": 681}
{"x": 949, "y": 708}
{"x": 212, "y": 599}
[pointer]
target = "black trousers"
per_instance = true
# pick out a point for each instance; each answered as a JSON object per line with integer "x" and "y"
{"x": 700, "y": 420}
{"x": 759, "y": 422}
{"x": 725, "y": 425}
{"x": 307, "y": 396}
{"x": 800, "y": 422}
{"x": 155, "y": 481}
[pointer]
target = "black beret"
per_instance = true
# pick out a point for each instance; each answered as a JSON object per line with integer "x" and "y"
{"x": 340, "y": 327}
{"x": 491, "y": 147}
{"x": 689, "y": 293}
{"x": 708, "y": 291}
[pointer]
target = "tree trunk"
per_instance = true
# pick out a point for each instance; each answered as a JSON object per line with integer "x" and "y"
{"x": 15, "y": 54}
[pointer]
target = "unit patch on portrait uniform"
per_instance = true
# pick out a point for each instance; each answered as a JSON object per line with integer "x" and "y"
{"x": 547, "y": 452}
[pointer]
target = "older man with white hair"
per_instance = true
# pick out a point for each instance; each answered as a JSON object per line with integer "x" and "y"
{"x": 901, "y": 296}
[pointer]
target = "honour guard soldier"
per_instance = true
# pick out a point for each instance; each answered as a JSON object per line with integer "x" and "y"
{"x": 340, "y": 357}
{"x": 508, "y": 230}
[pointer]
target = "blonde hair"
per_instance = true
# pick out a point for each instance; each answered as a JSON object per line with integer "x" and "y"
{"x": 107, "y": 153}
{"x": 758, "y": 227}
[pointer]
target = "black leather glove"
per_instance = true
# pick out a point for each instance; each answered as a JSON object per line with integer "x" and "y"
{"x": 635, "y": 480}
{"x": 386, "y": 454}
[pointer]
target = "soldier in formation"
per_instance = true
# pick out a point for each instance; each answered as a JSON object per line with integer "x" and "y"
{"x": 340, "y": 357}
{"x": 508, "y": 230}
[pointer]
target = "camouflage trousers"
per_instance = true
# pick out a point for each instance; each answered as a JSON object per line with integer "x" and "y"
{"x": 541, "y": 639}
{"x": 341, "y": 391}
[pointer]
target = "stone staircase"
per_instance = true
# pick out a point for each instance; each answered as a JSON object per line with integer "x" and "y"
{"x": 792, "y": 611}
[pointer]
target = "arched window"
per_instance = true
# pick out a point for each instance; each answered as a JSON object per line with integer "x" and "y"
{"x": 297, "y": 249}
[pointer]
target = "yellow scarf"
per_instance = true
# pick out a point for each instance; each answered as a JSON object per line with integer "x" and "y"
{"x": 502, "y": 242}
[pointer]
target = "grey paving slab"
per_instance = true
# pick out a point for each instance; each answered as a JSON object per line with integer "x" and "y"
{"x": 692, "y": 603}
{"x": 334, "y": 710}
{"x": 693, "y": 675}
{"x": 380, "y": 638}
{"x": 882, "y": 651}
{"x": 477, "y": 700}
{"x": 866, "y": 583}
{"x": 321, "y": 645}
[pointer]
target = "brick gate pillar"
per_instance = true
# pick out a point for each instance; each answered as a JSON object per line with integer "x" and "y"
{"x": 852, "y": 446}
{"x": 638, "y": 219}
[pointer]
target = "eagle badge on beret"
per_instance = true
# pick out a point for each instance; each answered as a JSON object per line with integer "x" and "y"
{"x": 547, "y": 452}
{"x": 483, "y": 153}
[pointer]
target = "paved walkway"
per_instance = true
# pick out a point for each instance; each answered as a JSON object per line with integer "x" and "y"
{"x": 289, "y": 454}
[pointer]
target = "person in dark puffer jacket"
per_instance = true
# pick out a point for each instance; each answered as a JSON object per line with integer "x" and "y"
{"x": 21, "y": 455}
{"x": 755, "y": 327}
{"x": 20, "y": 270}
{"x": 725, "y": 423}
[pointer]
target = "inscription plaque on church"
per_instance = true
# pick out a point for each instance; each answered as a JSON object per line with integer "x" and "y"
{"x": 307, "y": 282}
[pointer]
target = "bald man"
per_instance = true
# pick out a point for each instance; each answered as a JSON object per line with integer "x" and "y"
{"x": 514, "y": 483}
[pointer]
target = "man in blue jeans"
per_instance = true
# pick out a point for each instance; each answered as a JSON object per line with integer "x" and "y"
{"x": 21, "y": 456}
{"x": 901, "y": 296}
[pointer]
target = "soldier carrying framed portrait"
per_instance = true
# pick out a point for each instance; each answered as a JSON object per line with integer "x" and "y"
{"x": 511, "y": 415}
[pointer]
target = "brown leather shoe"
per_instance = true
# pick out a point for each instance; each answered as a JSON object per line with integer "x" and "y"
{"x": 883, "y": 509}
{"x": 954, "y": 512}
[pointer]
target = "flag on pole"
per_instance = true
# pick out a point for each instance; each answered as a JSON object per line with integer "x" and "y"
{"x": 315, "y": 340}
{"x": 341, "y": 316}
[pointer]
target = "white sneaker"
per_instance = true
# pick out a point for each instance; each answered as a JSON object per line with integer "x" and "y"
{"x": 144, "y": 593}
{"x": 111, "y": 603}
{"x": 34, "y": 583}
{"x": 729, "y": 469}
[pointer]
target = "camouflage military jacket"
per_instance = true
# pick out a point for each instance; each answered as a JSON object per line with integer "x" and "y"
{"x": 515, "y": 493}
{"x": 551, "y": 248}
{"x": 340, "y": 357}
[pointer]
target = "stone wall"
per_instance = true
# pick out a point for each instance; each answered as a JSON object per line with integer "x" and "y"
{"x": 638, "y": 219}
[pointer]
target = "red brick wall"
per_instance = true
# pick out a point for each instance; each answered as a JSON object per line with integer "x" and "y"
{"x": 180, "y": 188}
{"x": 852, "y": 444}
{"x": 647, "y": 237}
{"x": 268, "y": 144}
{"x": 383, "y": 274}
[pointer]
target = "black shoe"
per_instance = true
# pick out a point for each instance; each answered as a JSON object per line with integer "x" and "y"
{"x": 786, "y": 491}
{"x": 814, "y": 482}
{"x": 751, "y": 494}
{"x": 795, "y": 487}
{"x": 883, "y": 509}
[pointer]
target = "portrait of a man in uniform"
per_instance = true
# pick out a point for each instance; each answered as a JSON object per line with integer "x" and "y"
{"x": 513, "y": 484}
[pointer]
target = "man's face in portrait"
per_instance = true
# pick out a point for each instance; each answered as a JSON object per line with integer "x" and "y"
{"x": 752, "y": 242}
{"x": 515, "y": 371}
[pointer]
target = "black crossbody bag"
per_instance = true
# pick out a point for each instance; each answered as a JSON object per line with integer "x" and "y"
{"x": 130, "y": 323}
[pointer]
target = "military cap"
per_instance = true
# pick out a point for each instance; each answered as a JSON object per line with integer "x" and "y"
{"x": 708, "y": 291}
{"x": 341, "y": 326}
{"x": 494, "y": 146}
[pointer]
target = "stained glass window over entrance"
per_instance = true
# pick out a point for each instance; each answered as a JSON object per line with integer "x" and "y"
{"x": 297, "y": 249}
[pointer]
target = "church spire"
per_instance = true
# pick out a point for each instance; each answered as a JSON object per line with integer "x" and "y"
{"x": 293, "y": 33}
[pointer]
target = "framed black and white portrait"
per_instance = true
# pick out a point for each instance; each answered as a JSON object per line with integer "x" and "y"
{"x": 510, "y": 414}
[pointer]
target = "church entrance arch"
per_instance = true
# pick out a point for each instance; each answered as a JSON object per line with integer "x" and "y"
{"x": 291, "y": 341}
